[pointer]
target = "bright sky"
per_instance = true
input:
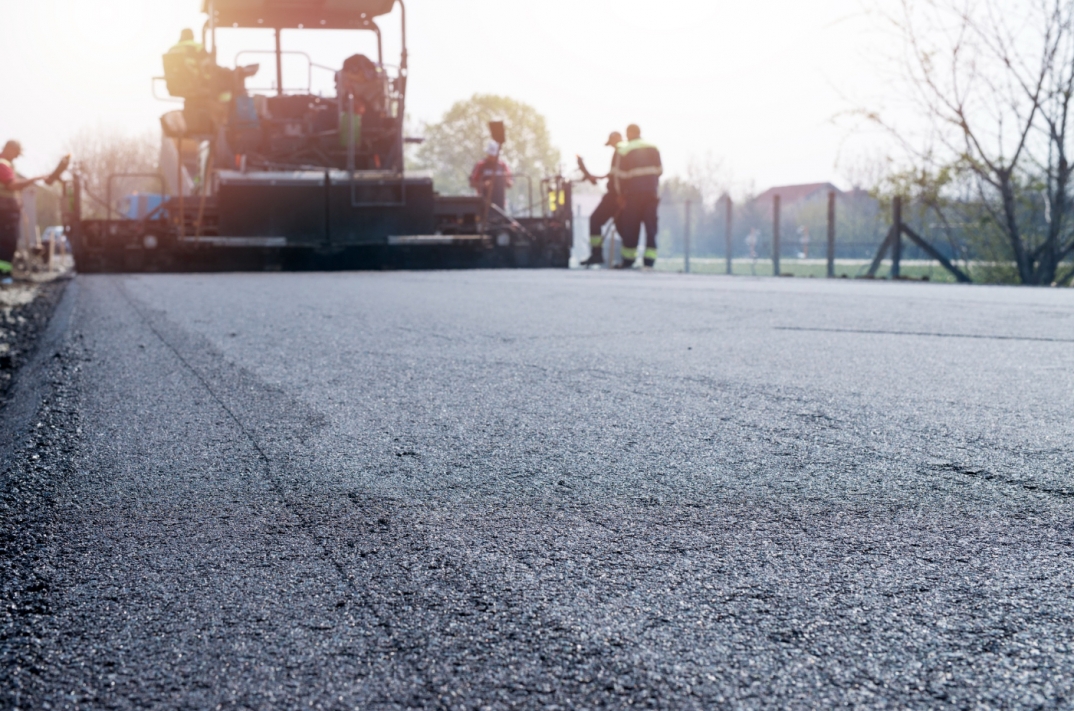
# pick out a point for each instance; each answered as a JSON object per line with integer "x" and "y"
{"x": 756, "y": 84}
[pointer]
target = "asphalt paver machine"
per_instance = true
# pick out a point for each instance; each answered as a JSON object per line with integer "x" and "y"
{"x": 296, "y": 180}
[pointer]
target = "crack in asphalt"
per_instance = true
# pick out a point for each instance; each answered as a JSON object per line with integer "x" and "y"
{"x": 929, "y": 334}
{"x": 985, "y": 475}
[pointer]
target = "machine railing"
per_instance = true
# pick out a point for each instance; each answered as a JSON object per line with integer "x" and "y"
{"x": 169, "y": 99}
{"x": 529, "y": 194}
{"x": 310, "y": 66}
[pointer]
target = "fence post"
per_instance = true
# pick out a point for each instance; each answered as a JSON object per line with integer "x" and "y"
{"x": 727, "y": 234}
{"x": 775, "y": 235}
{"x": 896, "y": 246}
{"x": 686, "y": 240}
{"x": 831, "y": 234}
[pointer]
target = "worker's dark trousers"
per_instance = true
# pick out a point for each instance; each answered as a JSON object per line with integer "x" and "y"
{"x": 640, "y": 210}
{"x": 9, "y": 239}
{"x": 606, "y": 210}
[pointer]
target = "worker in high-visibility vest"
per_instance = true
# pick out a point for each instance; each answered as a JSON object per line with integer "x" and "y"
{"x": 637, "y": 176}
{"x": 606, "y": 210}
{"x": 190, "y": 72}
{"x": 10, "y": 207}
{"x": 186, "y": 66}
{"x": 187, "y": 44}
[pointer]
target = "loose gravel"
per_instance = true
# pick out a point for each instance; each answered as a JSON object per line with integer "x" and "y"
{"x": 25, "y": 309}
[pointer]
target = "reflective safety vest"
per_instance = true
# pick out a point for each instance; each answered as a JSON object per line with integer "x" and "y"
{"x": 5, "y": 192}
{"x": 638, "y": 168}
{"x": 185, "y": 69}
{"x": 191, "y": 46}
{"x": 192, "y": 52}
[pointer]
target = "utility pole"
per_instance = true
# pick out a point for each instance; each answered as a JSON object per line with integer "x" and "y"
{"x": 686, "y": 240}
{"x": 831, "y": 234}
{"x": 727, "y": 233}
{"x": 896, "y": 246}
{"x": 775, "y": 235}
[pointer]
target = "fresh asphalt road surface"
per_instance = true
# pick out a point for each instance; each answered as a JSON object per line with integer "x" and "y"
{"x": 554, "y": 490}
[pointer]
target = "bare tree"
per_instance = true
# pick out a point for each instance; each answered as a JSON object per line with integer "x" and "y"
{"x": 711, "y": 177}
{"x": 101, "y": 152}
{"x": 995, "y": 80}
{"x": 865, "y": 171}
{"x": 1055, "y": 110}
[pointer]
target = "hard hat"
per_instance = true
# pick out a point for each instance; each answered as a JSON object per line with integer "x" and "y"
{"x": 493, "y": 148}
{"x": 614, "y": 139}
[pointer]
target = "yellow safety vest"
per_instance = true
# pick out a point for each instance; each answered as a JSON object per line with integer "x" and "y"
{"x": 186, "y": 46}
{"x": 5, "y": 192}
{"x": 193, "y": 53}
{"x": 637, "y": 167}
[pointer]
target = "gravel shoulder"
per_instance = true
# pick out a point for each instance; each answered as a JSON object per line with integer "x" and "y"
{"x": 25, "y": 309}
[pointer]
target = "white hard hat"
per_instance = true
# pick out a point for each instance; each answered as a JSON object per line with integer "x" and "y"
{"x": 492, "y": 148}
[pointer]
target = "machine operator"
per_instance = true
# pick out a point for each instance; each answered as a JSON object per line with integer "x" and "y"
{"x": 608, "y": 208}
{"x": 185, "y": 66}
{"x": 191, "y": 73}
{"x": 637, "y": 180}
{"x": 10, "y": 207}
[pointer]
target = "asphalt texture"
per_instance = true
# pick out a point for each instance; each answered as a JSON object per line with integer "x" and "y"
{"x": 543, "y": 490}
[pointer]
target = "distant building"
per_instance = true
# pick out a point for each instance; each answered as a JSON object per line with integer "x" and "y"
{"x": 791, "y": 194}
{"x": 804, "y": 210}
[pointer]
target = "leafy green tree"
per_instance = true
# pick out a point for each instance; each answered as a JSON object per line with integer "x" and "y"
{"x": 454, "y": 144}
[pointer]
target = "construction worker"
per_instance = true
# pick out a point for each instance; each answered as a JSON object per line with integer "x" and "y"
{"x": 192, "y": 73}
{"x": 10, "y": 207}
{"x": 185, "y": 67}
{"x": 491, "y": 176}
{"x": 606, "y": 210}
{"x": 637, "y": 178}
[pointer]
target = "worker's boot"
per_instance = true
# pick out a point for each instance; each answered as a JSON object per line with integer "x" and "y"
{"x": 625, "y": 264}
{"x": 596, "y": 251}
{"x": 650, "y": 258}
